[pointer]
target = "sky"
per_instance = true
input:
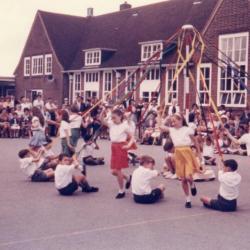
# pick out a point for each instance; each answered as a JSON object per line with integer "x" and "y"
{"x": 16, "y": 18}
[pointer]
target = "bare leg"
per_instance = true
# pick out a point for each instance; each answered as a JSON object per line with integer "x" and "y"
{"x": 120, "y": 178}
{"x": 185, "y": 187}
{"x": 49, "y": 172}
{"x": 79, "y": 178}
{"x": 206, "y": 200}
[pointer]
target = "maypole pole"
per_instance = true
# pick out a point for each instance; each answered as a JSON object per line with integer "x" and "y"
{"x": 189, "y": 41}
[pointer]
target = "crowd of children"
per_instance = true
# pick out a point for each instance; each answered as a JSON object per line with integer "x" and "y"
{"x": 189, "y": 146}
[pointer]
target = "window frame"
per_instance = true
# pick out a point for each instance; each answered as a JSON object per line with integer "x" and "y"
{"x": 209, "y": 92}
{"x": 147, "y": 50}
{"x": 232, "y": 93}
{"x": 25, "y": 68}
{"x": 46, "y": 71}
{"x": 37, "y": 65}
{"x": 168, "y": 93}
{"x": 109, "y": 82}
{"x": 77, "y": 86}
{"x": 93, "y": 57}
{"x": 154, "y": 74}
{"x": 131, "y": 83}
{"x": 92, "y": 77}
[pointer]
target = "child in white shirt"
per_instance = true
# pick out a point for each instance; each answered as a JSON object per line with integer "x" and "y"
{"x": 244, "y": 140}
{"x": 66, "y": 181}
{"x": 30, "y": 163}
{"x": 208, "y": 152}
{"x": 229, "y": 188}
{"x": 141, "y": 186}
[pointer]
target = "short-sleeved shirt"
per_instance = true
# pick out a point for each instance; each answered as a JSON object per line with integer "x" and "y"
{"x": 28, "y": 166}
{"x": 141, "y": 180}
{"x": 118, "y": 132}
{"x": 63, "y": 127}
{"x": 245, "y": 139}
{"x": 229, "y": 184}
{"x": 181, "y": 136}
{"x": 75, "y": 121}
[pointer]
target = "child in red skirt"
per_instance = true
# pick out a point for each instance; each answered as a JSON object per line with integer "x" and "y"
{"x": 121, "y": 141}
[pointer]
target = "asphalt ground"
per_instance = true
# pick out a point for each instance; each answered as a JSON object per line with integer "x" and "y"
{"x": 33, "y": 215}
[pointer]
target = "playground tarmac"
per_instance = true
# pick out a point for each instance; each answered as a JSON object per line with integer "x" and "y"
{"x": 35, "y": 217}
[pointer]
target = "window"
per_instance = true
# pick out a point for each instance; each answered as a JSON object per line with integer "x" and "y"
{"x": 172, "y": 87}
{"x": 78, "y": 91}
{"x": 149, "y": 96}
{"x": 204, "y": 92}
{"x": 153, "y": 74}
{"x": 107, "y": 82}
{"x": 27, "y": 66}
{"x": 148, "y": 50}
{"x": 90, "y": 94}
{"x": 131, "y": 81}
{"x": 92, "y": 58}
{"x": 232, "y": 81}
{"x": 48, "y": 64}
{"x": 91, "y": 84}
{"x": 37, "y": 65}
{"x": 92, "y": 77}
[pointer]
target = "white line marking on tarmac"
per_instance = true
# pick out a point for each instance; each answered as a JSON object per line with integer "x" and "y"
{"x": 51, "y": 237}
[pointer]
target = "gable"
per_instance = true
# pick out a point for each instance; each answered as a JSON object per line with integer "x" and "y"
{"x": 37, "y": 43}
{"x": 65, "y": 33}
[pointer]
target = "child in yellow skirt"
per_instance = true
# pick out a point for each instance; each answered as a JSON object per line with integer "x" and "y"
{"x": 122, "y": 140}
{"x": 185, "y": 160}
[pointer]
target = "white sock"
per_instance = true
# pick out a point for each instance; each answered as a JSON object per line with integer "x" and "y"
{"x": 192, "y": 185}
{"x": 188, "y": 199}
{"x": 121, "y": 191}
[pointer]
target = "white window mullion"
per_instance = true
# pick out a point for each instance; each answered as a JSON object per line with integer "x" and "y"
{"x": 92, "y": 58}
{"x": 236, "y": 47}
{"x": 48, "y": 64}
{"x": 171, "y": 87}
{"x": 37, "y": 65}
{"x": 27, "y": 66}
{"x": 148, "y": 50}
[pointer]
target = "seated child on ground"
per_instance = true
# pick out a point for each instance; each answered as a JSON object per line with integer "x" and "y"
{"x": 208, "y": 152}
{"x": 141, "y": 178}
{"x": 229, "y": 188}
{"x": 30, "y": 163}
{"x": 66, "y": 182}
{"x": 50, "y": 158}
{"x": 87, "y": 151}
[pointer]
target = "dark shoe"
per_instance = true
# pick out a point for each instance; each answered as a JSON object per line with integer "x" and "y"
{"x": 120, "y": 195}
{"x": 194, "y": 191}
{"x": 188, "y": 205}
{"x": 128, "y": 183}
{"x": 90, "y": 190}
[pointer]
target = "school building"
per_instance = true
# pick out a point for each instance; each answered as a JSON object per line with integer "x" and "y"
{"x": 67, "y": 56}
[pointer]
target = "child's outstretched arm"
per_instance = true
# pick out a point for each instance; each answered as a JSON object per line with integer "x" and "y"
{"x": 164, "y": 128}
{"x": 102, "y": 118}
{"x": 37, "y": 157}
{"x": 220, "y": 165}
{"x": 232, "y": 138}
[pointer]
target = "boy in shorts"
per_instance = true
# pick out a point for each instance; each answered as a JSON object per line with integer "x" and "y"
{"x": 30, "y": 163}
{"x": 66, "y": 181}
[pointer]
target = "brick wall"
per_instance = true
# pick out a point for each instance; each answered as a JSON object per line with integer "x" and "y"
{"x": 38, "y": 44}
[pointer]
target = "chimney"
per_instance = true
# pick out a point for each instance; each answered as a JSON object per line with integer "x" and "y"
{"x": 125, "y": 6}
{"x": 90, "y": 12}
